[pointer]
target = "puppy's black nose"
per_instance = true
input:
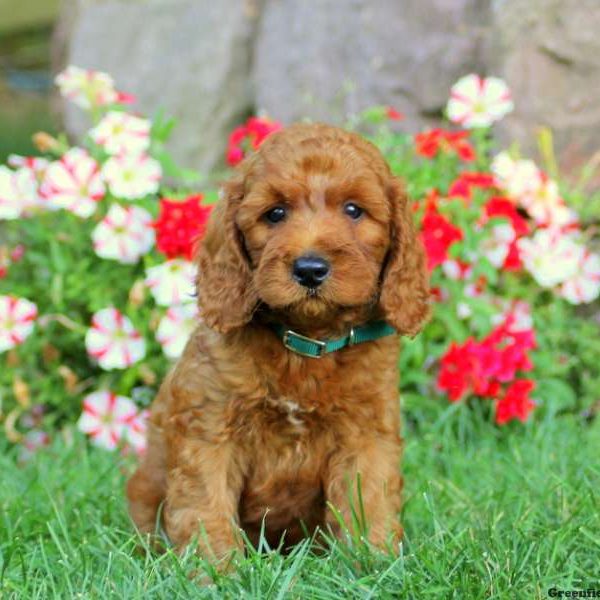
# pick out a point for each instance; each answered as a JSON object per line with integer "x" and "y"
{"x": 310, "y": 270}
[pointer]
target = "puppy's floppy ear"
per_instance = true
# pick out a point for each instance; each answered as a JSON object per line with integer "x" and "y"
{"x": 404, "y": 297}
{"x": 226, "y": 295}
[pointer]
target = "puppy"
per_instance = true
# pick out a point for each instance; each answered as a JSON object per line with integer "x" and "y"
{"x": 284, "y": 407}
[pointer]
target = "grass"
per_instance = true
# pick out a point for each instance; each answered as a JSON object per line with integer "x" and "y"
{"x": 489, "y": 513}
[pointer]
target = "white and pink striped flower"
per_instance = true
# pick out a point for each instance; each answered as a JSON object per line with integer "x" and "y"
{"x": 550, "y": 256}
{"x": 533, "y": 190}
{"x": 584, "y": 285}
{"x": 478, "y": 102}
{"x": 517, "y": 178}
{"x": 515, "y": 313}
{"x": 32, "y": 442}
{"x": 74, "y": 183}
{"x": 122, "y": 133}
{"x": 135, "y": 433}
{"x": 86, "y": 88}
{"x": 457, "y": 269}
{"x": 132, "y": 176}
{"x": 17, "y": 316}
{"x": 546, "y": 206}
{"x": 125, "y": 234}
{"x": 496, "y": 246}
{"x": 106, "y": 418}
{"x": 471, "y": 290}
{"x": 32, "y": 170}
{"x": 175, "y": 329}
{"x": 113, "y": 341}
{"x": 36, "y": 164}
{"x": 18, "y": 192}
{"x": 171, "y": 282}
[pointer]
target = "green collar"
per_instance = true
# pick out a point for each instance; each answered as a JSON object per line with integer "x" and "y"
{"x": 312, "y": 348}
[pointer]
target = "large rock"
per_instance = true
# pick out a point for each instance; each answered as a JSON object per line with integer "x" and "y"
{"x": 549, "y": 52}
{"x": 190, "y": 58}
{"x": 325, "y": 59}
{"x": 211, "y": 63}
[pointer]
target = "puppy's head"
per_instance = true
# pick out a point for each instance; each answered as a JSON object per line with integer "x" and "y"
{"x": 315, "y": 228}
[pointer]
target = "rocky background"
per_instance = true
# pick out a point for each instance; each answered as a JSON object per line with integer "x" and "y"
{"x": 210, "y": 64}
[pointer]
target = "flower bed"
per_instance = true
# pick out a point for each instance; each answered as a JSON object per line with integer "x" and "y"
{"x": 96, "y": 279}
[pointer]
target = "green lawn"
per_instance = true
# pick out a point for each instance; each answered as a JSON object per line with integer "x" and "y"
{"x": 489, "y": 513}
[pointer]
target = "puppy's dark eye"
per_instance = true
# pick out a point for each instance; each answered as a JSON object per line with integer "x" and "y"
{"x": 276, "y": 214}
{"x": 353, "y": 210}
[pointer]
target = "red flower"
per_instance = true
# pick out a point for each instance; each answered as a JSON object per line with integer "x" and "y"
{"x": 513, "y": 261}
{"x": 481, "y": 367}
{"x": 457, "y": 367}
{"x": 438, "y": 234}
{"x": 248, "y": 137}
{"x": 437, "y": 294}
{"x": 510, "y": 351}
{"x": 393, "y": 114}
{"x": 515, "y": 404}
{"x": 465, "y": 368}
{"x": 461, "y": 187}
{"x": 180, "y": 225}
{"x": 234, "y": 155}
{"x": 125, "y": 98}
{"x": 503, "y": 207}
{"x": 430, "y": 143}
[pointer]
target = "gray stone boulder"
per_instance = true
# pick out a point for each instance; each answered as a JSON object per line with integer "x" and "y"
{"x": 189, "y": 58}
{"x": 549, "y": 52}
{"x": 210, "y": 64}
{"x": 326, "y": 59}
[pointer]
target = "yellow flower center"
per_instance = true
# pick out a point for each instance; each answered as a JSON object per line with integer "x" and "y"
{"x": 107, "y": 419}
{"x": 479, "y": 106}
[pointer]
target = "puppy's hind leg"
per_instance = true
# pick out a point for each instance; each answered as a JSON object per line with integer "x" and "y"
{"x": 146, "y": 489}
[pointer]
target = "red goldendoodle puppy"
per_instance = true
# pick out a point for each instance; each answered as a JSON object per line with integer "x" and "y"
{"x": 313, "y": 238}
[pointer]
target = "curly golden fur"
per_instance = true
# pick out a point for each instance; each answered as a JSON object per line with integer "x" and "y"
{"x": 243, "y": 430}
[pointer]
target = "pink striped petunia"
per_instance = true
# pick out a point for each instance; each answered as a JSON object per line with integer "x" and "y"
{"x": 36, "y": 164}
{"x": 584, "y": 285}
{"x": 172, "y": 282}
{"x": 106, "y": 418}
{"x": 18, "y": 192}
{"x": 175, "y": 328}
{"x": 132, "y": 176}
{"x": 478, "y": 102}
{"x": 33, "y": 441}
{"x": 113, "y": 341}
{"x": 135, "y": 433}
{"x": 550, "y": 256}
{"x": 86, "y": 88}
{"x": 514, "y": 314}
{"x": 17, "y": 316}
{"x": 74, "y": 183}
{"x": 125, "y": 234}
{"x": 121, "y": 133}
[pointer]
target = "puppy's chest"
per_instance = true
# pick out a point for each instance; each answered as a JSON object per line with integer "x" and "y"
{"x": 290, "y": 413}
{"x": 301, "y": 402}
{"x": 289, "y": 399}
{"x": 275, "y": 419}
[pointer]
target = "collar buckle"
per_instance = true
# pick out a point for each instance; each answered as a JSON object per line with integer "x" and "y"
{"x": 290, "y": 335}
{"x": 351, "y": 337}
